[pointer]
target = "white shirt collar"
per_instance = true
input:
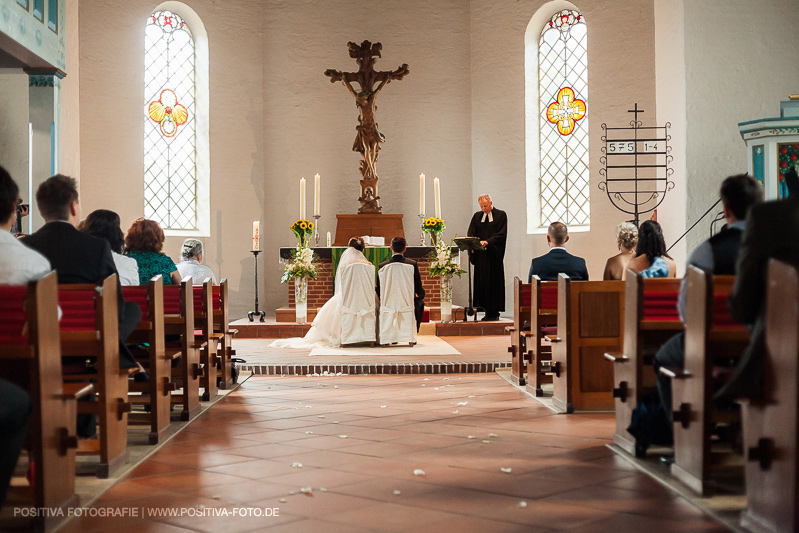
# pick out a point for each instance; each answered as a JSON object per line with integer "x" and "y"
{"x": 557, "y": 248}
{"x": 490, "y": 216}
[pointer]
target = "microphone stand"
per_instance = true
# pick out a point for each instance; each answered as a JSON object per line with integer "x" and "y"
{"x": 694, "y": 225}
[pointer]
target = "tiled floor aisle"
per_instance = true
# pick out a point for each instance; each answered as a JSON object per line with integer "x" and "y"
{"x": 245, "y": 452}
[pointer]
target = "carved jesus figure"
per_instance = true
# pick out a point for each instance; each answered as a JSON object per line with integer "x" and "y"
{"x": 368, "y": 138}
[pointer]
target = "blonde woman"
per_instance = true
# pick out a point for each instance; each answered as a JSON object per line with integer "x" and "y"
{"x": 626, "y": 240}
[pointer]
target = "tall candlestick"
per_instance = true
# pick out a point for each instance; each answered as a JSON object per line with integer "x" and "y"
{"x": 421, "y": 194}
{"x": 437, "y": 193}
{"x": 317, "y": 198}
{"x": 302, "y": 198}
{"x": 256, "y": 235}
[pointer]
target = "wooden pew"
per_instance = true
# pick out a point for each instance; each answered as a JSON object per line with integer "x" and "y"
{"x": 650, "y": 319}
{"x": 204, "y": 333}
{"x": 30, "y": 356}
{"x": 156, "y": 395}
{"x": 521, "y": 325}
{"x": 543, "y": 320}
{"x": 179, "y": 322}
{"x": 221, "y": 325}
{"x": 771, "y": 424}
{"x": 590, "y": 317}
{"x": 710, "y": 336}
{"x": 89, "y": 329}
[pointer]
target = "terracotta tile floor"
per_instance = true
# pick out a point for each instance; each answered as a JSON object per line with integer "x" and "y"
{"x": 359, "y": 441}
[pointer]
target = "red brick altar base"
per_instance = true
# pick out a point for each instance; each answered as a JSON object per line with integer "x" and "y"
{"x": 320, "y": 289}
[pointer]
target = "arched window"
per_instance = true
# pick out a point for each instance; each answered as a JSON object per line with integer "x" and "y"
{"x": 175, "y": 174}
{"x": 560, "y": 181}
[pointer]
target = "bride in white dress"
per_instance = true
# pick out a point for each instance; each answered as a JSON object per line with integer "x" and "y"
{"x": 326, "y": 328}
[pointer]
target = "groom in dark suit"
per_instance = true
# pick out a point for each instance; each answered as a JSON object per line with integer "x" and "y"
{"x": 78, "y": 257}
{"x": 558, "y": 260}
{"x": 398, "y": 246}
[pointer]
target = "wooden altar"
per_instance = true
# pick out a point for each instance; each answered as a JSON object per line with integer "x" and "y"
{"x": 320, "y": 290}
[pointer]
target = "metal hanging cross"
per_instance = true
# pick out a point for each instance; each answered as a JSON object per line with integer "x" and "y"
{"x": 368, "y": 138}
{"x": 636, "y": 168}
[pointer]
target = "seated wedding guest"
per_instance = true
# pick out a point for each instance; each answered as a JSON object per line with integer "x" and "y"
{"x": 105, "y": 224}
{"x": 718, "y": 255}
{"x": 191, "y": 255}
{"x": 626, "y": 240}
{"x": 77, "y": 257}
{"x": 772, "y": 231}
{"x": 326, "y": 328}
{"x": 144, "y": 243}
{"x": 558, "y": 260}
{"x": 15, "y": 411}
{"x": 18, "y": 263}
{"x": 651, "y": 259}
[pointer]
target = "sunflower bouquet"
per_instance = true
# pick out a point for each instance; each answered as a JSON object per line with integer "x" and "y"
{"x": 434, "y": 226}
{"x": 303, "y": 262}
{"x": 303, "y": 229}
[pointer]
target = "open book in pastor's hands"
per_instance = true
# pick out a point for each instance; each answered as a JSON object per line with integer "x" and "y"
{"x": 469, "y": 243}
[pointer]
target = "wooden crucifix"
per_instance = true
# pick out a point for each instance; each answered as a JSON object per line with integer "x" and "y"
{"x": 368, "y": 138}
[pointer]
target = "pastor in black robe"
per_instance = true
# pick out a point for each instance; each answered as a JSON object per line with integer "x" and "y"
{"x": 489, "y": 269}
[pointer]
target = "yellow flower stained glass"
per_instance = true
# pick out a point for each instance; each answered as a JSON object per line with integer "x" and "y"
{"x": 168, "y": 113}
{"x": 565, "y": 111}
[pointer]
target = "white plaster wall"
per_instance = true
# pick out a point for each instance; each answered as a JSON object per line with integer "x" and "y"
{"x": 309, "y": 123}
{"x": 112, "y": 125}
{"x": 620, "y": 73}
{"x": 14, "y": 127}
{"x": 69, "y": 138}
{"x": 740, "y": 59}
{"x": 670, "y": 74}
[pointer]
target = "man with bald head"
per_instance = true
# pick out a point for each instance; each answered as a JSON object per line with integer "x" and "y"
{"x": 558, "y": 260}
{"x": 490, "y": 225}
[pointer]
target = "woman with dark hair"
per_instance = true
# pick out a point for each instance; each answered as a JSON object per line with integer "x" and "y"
{"x": 105, "y": 224}
{"x": 144, "y": 243}
{"x": 651, "y": 259}
{"x": 326, "y": 328}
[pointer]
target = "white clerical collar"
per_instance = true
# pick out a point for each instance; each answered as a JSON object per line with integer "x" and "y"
{"x": 490, "y": 216}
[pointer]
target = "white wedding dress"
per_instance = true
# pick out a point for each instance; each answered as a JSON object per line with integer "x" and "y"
{"x": 326, "y": 328}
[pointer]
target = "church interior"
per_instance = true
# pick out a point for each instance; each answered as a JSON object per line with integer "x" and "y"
{"x": 331, "y": 449}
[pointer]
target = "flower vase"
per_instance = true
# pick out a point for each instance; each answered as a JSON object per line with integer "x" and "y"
{"x": 446, "y": 298}
{"x": 301, "y": 299}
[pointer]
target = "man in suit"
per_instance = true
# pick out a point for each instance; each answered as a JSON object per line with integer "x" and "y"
{"x": 718, "y": 255}
{"x": 398, "y": 246}
{"x": 78, "y": 257}
{"x": 772, "y": 231}
{"x": 558, "y": 260}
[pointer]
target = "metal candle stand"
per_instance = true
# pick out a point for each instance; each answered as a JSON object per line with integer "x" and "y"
{"x": 316, "y": 230}
{"x": 252, "y": 314}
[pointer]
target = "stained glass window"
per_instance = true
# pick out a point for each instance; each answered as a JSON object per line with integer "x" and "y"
{"x": 563, "y": 122}
{"x": 170, "y": 156}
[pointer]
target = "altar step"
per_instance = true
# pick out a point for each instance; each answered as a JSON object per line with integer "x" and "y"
{"x": 287, "y": 314}
{"x": 274, "y": 329}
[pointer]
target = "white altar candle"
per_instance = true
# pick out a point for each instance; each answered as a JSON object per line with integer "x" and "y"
{"x": 317, "y": 199}
{"x": 328, "y": 239}
{"x": 302, "y": 198}
{"x": 421, "y": 194}
{"x": 437, "y": 194}
{"x": 256, "y": 234}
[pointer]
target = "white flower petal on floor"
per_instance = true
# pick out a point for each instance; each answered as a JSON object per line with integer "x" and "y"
{"x": 397, "y": 493}
{"x": 418, "y": 472}
{"x": 506, "y": 470}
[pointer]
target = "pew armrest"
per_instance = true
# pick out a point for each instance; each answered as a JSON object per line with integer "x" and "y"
{"x": 616, "y": 357}
{"x": 73, "y": 391}
{"x": 553, "y": 338}
{"x": 674, "y": 372}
